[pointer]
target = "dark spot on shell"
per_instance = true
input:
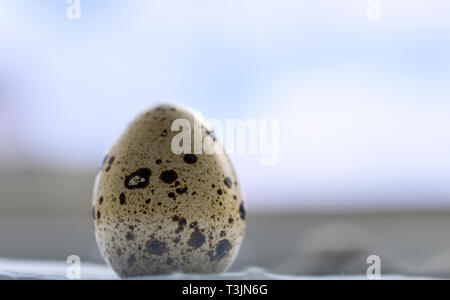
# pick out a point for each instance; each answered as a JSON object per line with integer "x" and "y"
{"x": 119, "y": 252}
{"x": 181, "y": 191}
{"x": 190, "y": 159}
{"x": 228, "y": 182}
{"x": 210, "y": 134}
{"x": 223, "y": 233}
{"x": 211, "y": 255}
{"x": 169, "y": 261}
{"x": 148, "y": 201}
{"x": 181, "y": 223}
{"x": 138, "y": 179}
{"x": 175, "y": 218}
{"x": 222, "y": 248}
{"x": 242, "y": 211}
{"x": 131, "y": 260}
{"x": 129, "y": 236}
{"x": 159, "y": 161}
{"x": 177, "y": 240}
{"x": 193, "y": 225}
{"x": 168, "y": 176}
{"x": 123, "y": 199}
{"x": 197, "y": 239}
{"x": 220, "y": 192}
{"x": 100, "y": 201}
{"x": 230, "y": 220}
{"x": 172, "y": 195}
{"x": 235, "y": 197}
{"x": 99, "y": 215}
{"x": 164, "y": 133}
{"x": 110, "y": 162}
{"x": 156, "y": 247}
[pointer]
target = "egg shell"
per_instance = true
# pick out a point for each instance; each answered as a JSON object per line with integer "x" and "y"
{"x": 157, "y": 212}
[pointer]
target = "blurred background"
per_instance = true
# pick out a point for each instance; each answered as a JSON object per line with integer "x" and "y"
{"x": 363, "y": 99}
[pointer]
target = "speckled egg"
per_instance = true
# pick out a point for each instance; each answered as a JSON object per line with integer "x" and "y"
{"x": 156, "y": 211}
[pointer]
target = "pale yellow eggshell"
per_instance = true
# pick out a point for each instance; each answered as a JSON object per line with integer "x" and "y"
{"x": 157, "y": 212}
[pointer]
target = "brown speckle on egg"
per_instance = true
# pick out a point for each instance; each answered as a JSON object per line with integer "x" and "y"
{"x": 197, "y": 239}
{"x": 110, "y": 162}
{"x": 138, "y": 179}
{"x": 181, "y": 191}
{"x": 129, "y": 236}
{"x": 190, "y": 159}
{"x": 193, "y": 225}
{"x": 156, "y": 247}
{"x": 228, "y": 182}
{"x": 131, "y": 260}
{"x": 123, "y": 199}
{"x": 242, "y": 211}
{"x": 168, "y": 176}
{"x": 222, "y": 248}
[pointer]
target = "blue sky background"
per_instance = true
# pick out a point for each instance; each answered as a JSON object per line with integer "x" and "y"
{"x": 364, "y": 104}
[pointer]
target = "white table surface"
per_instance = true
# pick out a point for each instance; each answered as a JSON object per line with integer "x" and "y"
{"x": 53, "y": 270}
